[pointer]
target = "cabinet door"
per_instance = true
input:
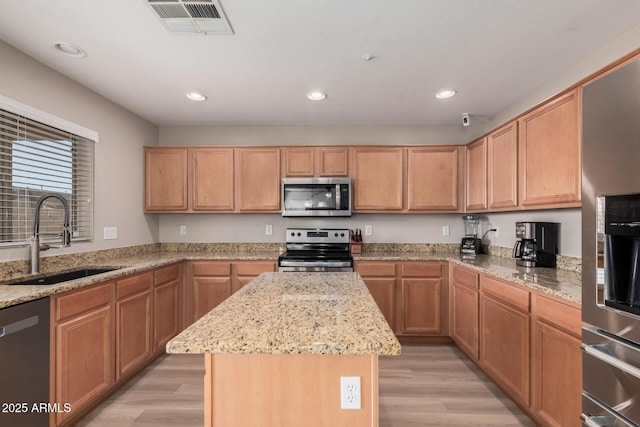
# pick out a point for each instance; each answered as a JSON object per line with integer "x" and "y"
{"x": 464, "y": 319}
{"x": 84, "y": 360}
{"x": 165, "y": 179}
{"x": 332, "y": 161}
{"x": 133, "y": 332}
{"x": 549, "y": 138}
{"x": 434, "y": 181}
{"x": 383, "y": 291}
{"x": 421, "y": 306}
{"x": 166, "y": 313}
{"x": 207, "y": 293}
{"x": 299, "y": 161}
{"x": 502, "y": 167}
{"x": 377, "y": 178}
{"x": 477, "y": 175}
{"x": 557, "y": 376}
{"x": 212, "y": 177}
{"x": 258, "y": 179}
{"x": 504, "y": 346}
{"x": 245, "y": 272}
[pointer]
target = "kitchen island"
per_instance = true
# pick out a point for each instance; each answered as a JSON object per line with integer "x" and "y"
{"x": 276, "y": 350}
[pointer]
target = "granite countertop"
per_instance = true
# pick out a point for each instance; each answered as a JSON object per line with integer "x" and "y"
{"x": 293, "y": 313}
{"x": 562, "y": 283}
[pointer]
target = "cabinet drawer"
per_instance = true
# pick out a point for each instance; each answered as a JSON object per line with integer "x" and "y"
{"x": 254, "y": 268}
{"x": 376, "y": 269}
{"x": 133, "y": 284}
{"x": 210, "y": 268}
{"x": 421, "y": 269}
{"x": 465, "y": 277}
{"x": 76, "y": 302}
{"x": 166, "y": 274}
{"x": 510, "y": 294}
{"x": 562, "y": 315}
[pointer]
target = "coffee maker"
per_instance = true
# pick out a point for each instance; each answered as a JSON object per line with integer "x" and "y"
{"x": 537, "y": 244}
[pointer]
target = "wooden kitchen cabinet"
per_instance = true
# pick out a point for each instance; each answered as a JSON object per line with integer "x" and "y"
{"x": 424, "y": 309}
{"x": 550, "y": 153}
{"x": 134, "y": 325}
{"x": 212, "y": 175}
{"x": 315, "y": 161}
{"x": 505, "y": 336}
{"x": 257, "y": 177}
{"x": 377, "y": 178}
{"x": 165, "y": 182}
{"x": 380, "y": 279}
{"x": 465, "y": 318}
{"x": 476, "y": 177}
{"x": 245, "y": 271}
{"x": 208, "y": 283}
{"x": 556, "y": 362}
{"x": 434, "y": 178}
{"x": 84, "y": 348}
{"x": 502, "y": 168}
{"x": 167, "y": 305}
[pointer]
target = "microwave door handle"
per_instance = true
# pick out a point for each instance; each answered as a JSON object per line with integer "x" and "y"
{"x": 337, "y": 196}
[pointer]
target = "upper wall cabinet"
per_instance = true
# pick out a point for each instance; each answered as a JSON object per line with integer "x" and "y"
{"x": 549, "y": 149}
{"x": 165, "y": 179}
{"x": 377, "y": 176}
{"x": 502, "y": 168}
{"x": 434, "y": 178}
{"x": 212, "y": 179}
{"x": 476, "y": 179}
{"x": 257, "y": 172}
{"x": 315, "y": 161}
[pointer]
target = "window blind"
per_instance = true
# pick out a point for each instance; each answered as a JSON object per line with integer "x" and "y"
{"x": 37, "y": 159}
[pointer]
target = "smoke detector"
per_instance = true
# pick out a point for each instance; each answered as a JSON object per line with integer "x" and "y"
{"x": 185, "y": 16}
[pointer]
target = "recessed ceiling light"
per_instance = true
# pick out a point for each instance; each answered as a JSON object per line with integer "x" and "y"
{"x": 196, "y": 96}
{"x": 316, "y": 96}
{"x": 446, "y": 93}
{"x": 69, "y": 49}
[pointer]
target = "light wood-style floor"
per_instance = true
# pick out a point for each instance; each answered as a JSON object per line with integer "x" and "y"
{"x": 432, "y": 385}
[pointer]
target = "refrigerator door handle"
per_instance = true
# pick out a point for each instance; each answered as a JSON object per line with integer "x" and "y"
{"x": 601, "y": 352}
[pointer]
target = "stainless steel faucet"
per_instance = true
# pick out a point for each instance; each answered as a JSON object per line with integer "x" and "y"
{"x": 34, "y": 243}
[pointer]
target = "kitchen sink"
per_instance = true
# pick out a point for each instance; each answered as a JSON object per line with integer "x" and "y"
{"x": 63, "y": 277}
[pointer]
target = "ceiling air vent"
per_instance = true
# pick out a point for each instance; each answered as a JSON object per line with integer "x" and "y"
{"x": 184, "y": 16}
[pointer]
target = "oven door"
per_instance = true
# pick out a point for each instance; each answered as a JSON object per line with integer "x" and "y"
{"x": 287, "y": 265}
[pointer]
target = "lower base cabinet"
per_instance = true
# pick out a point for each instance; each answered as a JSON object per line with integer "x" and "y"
{"x": 84, "y": 348}
{"x": 464, "y": 310}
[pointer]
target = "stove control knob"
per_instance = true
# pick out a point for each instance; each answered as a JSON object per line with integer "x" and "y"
{"x": 341, "y": 234}
{"x": 293, "y": 234}
{"x": 299, "y": 234}
{"x": 336, "y": 234}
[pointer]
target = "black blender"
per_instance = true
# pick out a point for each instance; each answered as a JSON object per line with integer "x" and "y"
{"x": 470, "y": 244}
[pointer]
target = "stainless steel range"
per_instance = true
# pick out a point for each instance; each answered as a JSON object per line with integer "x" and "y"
{"x": 316, "y": 249}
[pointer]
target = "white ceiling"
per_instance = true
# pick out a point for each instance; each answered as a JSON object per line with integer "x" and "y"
{"x": 493, "y": 52}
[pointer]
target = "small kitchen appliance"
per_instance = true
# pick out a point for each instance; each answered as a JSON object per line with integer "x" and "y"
{"x": 316, "y": 249}
{"x": 537, "y": 244}
{"x": 471, "y": 244}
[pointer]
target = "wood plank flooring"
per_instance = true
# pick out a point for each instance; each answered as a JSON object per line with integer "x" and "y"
{"x": 432, "y": 385}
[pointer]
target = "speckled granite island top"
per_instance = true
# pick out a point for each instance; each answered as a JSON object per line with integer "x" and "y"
{"x": 293, "y": 313}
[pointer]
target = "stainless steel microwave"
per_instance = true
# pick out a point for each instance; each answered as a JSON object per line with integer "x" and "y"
{"x": 316, "y": 197}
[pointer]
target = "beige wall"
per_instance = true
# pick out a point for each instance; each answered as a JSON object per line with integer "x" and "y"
{"x": 118, "y": 155}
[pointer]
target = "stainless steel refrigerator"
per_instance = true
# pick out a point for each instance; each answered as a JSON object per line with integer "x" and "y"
{"x": 611, "y": 249}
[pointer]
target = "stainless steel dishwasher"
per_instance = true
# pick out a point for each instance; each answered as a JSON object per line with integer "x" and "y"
{"x": 24, "y": 364}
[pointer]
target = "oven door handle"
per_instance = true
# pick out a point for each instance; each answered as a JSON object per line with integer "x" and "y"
{"x": 601, "y": 352}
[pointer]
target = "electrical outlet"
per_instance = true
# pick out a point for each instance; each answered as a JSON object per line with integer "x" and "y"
{"x": 445, "y": 230}
{"x": 110, "y": 233}
{"x": 268, "y": 229}
{"x": 350, "y": 393}
{"x": 368, "y": 230}
{"x": 183, "y": 230}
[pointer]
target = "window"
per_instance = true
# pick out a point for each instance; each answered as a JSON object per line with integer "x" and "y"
{"x": 38, "y": 159}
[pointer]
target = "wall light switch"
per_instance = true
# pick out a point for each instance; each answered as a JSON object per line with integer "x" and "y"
{"x": 183, "y": 230}
{"x": 268, "y": 229}
{"x": 368, "y": 230}
{"x": 445, "y": 230}
{"x": 110, "y": 233}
